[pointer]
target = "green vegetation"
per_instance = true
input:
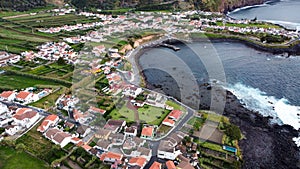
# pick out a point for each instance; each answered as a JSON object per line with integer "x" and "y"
{"x": 49, "y": 101}
{"x": 14, "y": 81}
{"x": 35, "y": 143}
{"x": 12, "y": 159}
{"x": 152, "y": 115}
{"x": 251, "y": 24}
{"x": 233, "y": 132}
{"x": 175, "y": 105}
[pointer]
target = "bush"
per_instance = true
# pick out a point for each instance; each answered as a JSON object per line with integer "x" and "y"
{"x": 233, "y": 132}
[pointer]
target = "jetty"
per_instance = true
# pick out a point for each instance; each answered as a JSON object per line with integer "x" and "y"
{"x": 175, "y": 48}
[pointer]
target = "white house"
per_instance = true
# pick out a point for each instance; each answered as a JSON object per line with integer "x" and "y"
{"x": 3, "y": 108}
{"x": 132, "y": 91}
{"x": 26, "y": 119}
{"x": 12, "y": 129}
{"x": 166, "y": 150}
{"x": 130, "y": 131}
{"x": 24, "y": 97}
{"x": 50, "y": 120}
{"x": 58, "y": 137}
{"x": 8, "y": 95}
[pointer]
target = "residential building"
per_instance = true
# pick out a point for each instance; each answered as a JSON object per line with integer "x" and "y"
{"x": 8, "y": 95}
{"x": 26, "y": 119}
{"x": 58, "y": 137}
{"x": 24, "y": 97}
{"x": 12, "y": 129}
{"x": 83, "y": 130}
{"x": 147, "y": 132}
{"x": 49, "y": 121}
{"x": 130, "y": 131}
{"x": 137, "y": 161}
{"x": 102, "y": 134}
{"x": 170, "y": 165}
{"x": 155, "y": 165}
{"x": 111, "y": 157}
{"x": 114, "y": 125}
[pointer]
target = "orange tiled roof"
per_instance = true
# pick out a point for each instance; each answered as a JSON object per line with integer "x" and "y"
{"x": 147, "y": 131}
{"x": 155, "y": 165}
{"x": 21, "y": 111}
{"x": 6, "y": 94}
{"x": 175, "y": 114}
{"x": 170, "y": 165}
{"x": 86, "y": 147}
{"x": 23, "y": 95}
{"x": 111, "y": 155}
{"x": 167, "y": 120}
{"x": 140, "y": 161}
{"x": 51, "y": 117}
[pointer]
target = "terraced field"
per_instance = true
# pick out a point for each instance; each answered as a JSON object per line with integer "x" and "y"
{"x": 20, "y": 33}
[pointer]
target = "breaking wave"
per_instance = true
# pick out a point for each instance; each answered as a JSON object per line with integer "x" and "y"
{"x": 280, "y": 110}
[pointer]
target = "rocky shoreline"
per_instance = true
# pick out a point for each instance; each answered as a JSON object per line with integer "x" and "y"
{"x": 265, "y": 145}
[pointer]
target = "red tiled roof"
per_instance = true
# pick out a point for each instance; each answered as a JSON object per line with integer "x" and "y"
{"x": 175, "y": 114}
{"x": 51, "y": 117}
{"x": 86, "y": 147}
{"x": 111, "y": 155}
{"x": 41, "y": 127}
{"x": 23, "y": 95}
{"x": 6, "y": 94}
{"x": 147, "y": 131}
{"x": 140, "y": 161}
{"x": 21, "y": 111}
{"x": 170, "y": 165}
{"x": 97, "y": 110}
{"x": 167, "y": 120}
{"x": 155, "y": 165}
{"x": 27, "y": 115}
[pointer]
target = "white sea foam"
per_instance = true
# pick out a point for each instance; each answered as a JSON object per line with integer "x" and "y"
{"x": 280, "y": 109}
{"x": 248, "y": 7}
{"x": 297, "y": 141}
{"x": 286, "y": 24}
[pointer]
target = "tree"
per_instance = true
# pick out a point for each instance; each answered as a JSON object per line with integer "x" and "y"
{"x": 233, "y": 132}
{"x": 61, "y": 61}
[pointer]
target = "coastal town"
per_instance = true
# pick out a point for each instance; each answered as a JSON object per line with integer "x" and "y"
{"x": 73, "y": 103}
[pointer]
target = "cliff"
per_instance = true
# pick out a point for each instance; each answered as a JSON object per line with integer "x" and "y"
{"x": 227, "y": 5}
{"x": 24, "y": 5}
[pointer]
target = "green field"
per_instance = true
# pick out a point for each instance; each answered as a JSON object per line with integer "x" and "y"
{"x": 11, "y": 159}
{"x": 147, "y": 114}
{"x": 8, "y": 81}
{"x": 38, "y": 145}
{"x": 152, "y": 115}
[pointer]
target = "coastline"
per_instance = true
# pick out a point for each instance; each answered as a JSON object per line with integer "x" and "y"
{"x": 265, "y": 145}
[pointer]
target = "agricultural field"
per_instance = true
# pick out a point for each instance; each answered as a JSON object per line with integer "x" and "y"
{"x": 12, "y": 159}
{"x": 13, "y": 81}
{"x": 38, "y": 145}
{"x": 19, "y": 33}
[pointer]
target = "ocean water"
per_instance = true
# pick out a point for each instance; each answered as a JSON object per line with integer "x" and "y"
{"x": 283, "y": 12}
{"x": 267, "y": 83}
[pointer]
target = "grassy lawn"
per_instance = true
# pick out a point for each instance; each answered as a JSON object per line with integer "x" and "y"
{"x": 212, "y": 146}
{"x": 258, "y": 25}
{"x": 8, "y": 81}
{"x": 11, "y": 159}
{"x": 152, "y": 115}
{"x": 49, "y": 101}
{"x": 123, "y": 113}
{"x": 175, "y": 105}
